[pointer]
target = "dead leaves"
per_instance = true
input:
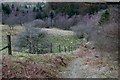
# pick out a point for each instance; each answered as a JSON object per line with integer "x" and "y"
{"x": 33, "y": 67}
{"x": 93, "y": 61}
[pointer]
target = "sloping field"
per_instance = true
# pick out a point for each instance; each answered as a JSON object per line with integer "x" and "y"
{"x": 54, "y": 31}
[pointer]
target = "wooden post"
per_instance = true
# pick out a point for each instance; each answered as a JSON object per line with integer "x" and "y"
{"x": 59, "y": 48}
{"x": 65, "y": 48}
{"x": 51, "y": 48}
{"x": 69, "y": 48}
{"x": 9, "y": 45}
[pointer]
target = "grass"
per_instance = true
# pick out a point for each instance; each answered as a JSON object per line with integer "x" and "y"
{"x": 64, "y": 41}
{"x": 5, "y": 30}
{"x": 50, "y": 65}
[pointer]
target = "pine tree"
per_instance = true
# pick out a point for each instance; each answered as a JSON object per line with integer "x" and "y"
{"x": 17, "y": 9}
{"x": 13, "y": 6}
{"x": 6, "y": 9}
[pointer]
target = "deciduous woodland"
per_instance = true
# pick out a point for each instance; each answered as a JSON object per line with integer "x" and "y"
{"x": 59, "y": 40}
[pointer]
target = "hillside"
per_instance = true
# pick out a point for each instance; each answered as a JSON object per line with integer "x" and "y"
{"x": 80, "y": 63}
{"x": 59, "y": 65}
{"x": 59, "y": 40}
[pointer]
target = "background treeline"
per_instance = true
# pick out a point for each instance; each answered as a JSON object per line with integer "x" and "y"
{"x": 98, "y": 23}
{"x": 26, "y": 12}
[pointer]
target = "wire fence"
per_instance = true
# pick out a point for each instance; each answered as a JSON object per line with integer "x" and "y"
{"x": 58, "y": 48}
{"x": 53, "y": 48}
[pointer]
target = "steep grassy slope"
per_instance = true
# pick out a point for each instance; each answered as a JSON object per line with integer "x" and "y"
{"x": 35, "y": 66}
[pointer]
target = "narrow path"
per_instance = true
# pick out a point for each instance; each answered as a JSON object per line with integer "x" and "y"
{"x": 78, "y": 68}
{"x": 74, "y": 69}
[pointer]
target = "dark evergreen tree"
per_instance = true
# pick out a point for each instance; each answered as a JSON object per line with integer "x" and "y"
{"x": 3, "y": 6}
{"x": 17, "y": 9}
{"x": 39, "y": 6}
{"x": 34, "y": 9}
{"x": 13, "y": 6}
{"x": 52, "y": 14}
{"x": 26, "y": 6}
{"x": 6, "y": 9}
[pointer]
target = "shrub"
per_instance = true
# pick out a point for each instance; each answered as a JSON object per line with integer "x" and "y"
{"x": 103, "y": 40}
{"x": 31, "y": 40}
{"x": 85, "y": 26}
{"x": 63, "y": 21}
{"x": 48, "y": 22}
{"x": 40, "y": 15}
{"x": 37, "y": 23}
{"x": 104, "y": 37}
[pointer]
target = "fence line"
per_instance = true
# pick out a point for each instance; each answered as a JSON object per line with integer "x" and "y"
{"x": 52, "y": 49}
{"x": 3, "y": 48}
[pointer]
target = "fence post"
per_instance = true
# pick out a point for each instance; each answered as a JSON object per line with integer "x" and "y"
{"x": 9, "y": 45}
{"x": 51, "y": 48}
{"x": 69, "y": 48}
{"x": 59, "y": 48}
{"x": 65, "y": 48}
